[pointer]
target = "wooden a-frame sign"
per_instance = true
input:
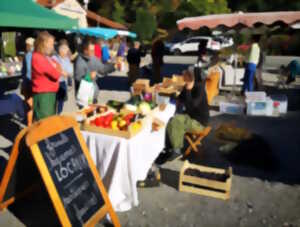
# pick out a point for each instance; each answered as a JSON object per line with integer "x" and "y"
{"x": 67, "y": 170}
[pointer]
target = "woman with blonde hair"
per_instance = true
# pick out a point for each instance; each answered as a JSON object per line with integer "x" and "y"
{"x": 45, "y": 77}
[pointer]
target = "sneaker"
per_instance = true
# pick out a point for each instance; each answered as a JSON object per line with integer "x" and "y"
{"x": 163, "y": 157}
{"x": 152, "y": 180}
{"x": 174, "y": 155}
{"x": 290, "y": 80}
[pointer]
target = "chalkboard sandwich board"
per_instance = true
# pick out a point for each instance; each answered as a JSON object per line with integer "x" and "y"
{"x": 68, "y": 172}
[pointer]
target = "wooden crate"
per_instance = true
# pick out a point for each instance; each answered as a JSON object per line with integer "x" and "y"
{"x": 207, "y": 187}
{"x": 141, "y": 85}
{"x": 92, "y": 109}
{"x": 108, "y": 131}
{"x": 144, "y": 82}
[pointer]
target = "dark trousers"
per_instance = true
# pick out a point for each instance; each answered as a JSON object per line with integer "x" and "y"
{"x": 61, "y": 96}
{"x": 249, "y": 77}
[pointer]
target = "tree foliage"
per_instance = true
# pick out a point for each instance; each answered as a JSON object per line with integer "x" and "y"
{"x": 118, "y": 13}
{"x": 264, "y": 5}
{"x": 145, "y": 25}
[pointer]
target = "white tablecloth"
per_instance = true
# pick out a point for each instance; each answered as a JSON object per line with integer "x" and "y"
{"x": 123, "y": 162}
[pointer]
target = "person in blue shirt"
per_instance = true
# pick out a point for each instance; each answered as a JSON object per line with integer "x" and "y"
{"x": 105, "y": 52}
{"x": 122, "y": 48}
{"x": 26, "y": 88}
{"x": 63, "y": 59}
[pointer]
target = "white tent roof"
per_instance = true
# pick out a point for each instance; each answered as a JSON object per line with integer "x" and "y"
{"x": 72, "y": 9}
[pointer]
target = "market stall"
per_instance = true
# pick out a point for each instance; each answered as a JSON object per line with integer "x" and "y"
{"x": 104, "y": 33}
{"x": 28, "y": 14}
{"x": 122, "y": 162}
{"x": 125, "y": 139}
{"x": 240, "y": 22}
{"x": 14, "y": 17}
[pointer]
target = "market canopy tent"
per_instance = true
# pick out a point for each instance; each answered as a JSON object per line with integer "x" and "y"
{"x": 236, "y": 19}
{"x": 27, "y": 14}
{"x": 72, "y": 9}
{"x": 127, "y": 33}
{"x": 104, "y": 33}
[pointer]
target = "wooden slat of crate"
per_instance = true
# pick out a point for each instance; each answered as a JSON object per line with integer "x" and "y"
{"x": 205, "y": 192}
{"x": 224, "y": 186}
{"x": 203, "y": 168}
{"x": 107, "y": 131}
{"x": 144, "y": 82}
{"x": 110, "y": 132}
{"x": 206, "y": 182}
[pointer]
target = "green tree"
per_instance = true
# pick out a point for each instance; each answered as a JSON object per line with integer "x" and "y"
{"x": 118, "y": 13}
{"x": 205, "y": 7}
{"x": 145, "y": 25}
{"x": 106, "y": 8}
{"x": 263, "y": 5}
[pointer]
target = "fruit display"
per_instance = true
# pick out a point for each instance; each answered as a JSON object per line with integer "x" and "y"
{"x": 91, "y": 110}
{"x": 140, "y": 104}
{"x": 122, "y": 125}
{"x": 115, "y": 104}
{"x": 144, "y": 107}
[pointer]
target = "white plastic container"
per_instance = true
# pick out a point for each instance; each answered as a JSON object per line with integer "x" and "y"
{"x": 160, "y": 99}
{"x": 232, "y": 108}
{"x": 260, "y": 108}
{"x": 283, "y": 103}
{"x": 256, "y": 96}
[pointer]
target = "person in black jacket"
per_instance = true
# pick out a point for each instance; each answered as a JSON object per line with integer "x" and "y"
{"x": 157, "y": 55}
{"x": 134, "y": 56}
{"x": 195, "y": 114}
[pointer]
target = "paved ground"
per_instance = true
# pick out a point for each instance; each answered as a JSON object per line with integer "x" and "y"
{"x": 260, "y": 196}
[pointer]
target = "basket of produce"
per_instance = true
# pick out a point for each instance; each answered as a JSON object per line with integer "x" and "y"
{"x": 93, "y": 109}
{"x": 140, "y": 104}
{"x": 115, "y": 105}
{"x": 115, "y": 124}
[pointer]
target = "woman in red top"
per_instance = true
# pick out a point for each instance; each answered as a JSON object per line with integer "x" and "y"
{"x": 98, "y": 49}
{"x": 45, "y": 76}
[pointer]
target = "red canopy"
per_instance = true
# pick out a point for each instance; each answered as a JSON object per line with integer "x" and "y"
{"x": 245, "y": 19}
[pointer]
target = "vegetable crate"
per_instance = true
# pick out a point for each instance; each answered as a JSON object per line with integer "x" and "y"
{"x": 205, "y": 181}
{"x": 127, "y": 134}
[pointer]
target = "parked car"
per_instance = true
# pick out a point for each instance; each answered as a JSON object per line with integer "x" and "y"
{"x": 224, "y": 41}
{"x": 191, "y": 45}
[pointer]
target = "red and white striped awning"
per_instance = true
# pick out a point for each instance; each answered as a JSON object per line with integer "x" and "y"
{"x": 236, "y": 19}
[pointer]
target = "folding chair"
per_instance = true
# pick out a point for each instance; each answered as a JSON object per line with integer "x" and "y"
{"x": 194, "y": 139}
